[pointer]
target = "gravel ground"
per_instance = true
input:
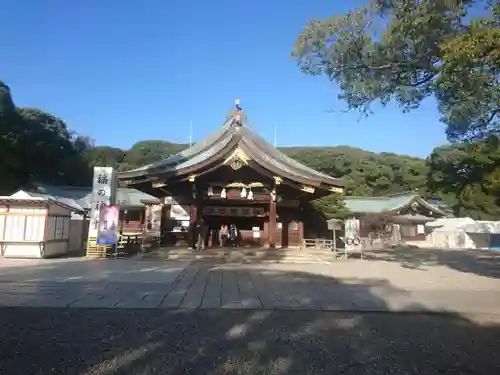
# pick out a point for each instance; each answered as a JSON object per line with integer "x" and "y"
{"x": 94, "y": 341}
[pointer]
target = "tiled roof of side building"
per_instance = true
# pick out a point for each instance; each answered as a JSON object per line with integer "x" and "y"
{"x": 82, "y": 195}
{"x": 385, "y": 204}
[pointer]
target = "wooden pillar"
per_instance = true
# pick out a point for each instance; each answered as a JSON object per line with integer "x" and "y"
{"x": 285, "y": 225}
{"x": 194, "y": 210}
{"x": 193, "y": 213}
{"x": 301, "y": 232}
{"x": 195, "y": 203}
{"x": 272, "y": 224}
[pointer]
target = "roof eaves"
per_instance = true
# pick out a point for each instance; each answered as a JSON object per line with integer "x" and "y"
{"x": 183, "y": 156}
{"x": 291, "y": 164}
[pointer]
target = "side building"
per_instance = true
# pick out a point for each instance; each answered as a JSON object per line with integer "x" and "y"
{"x": 409, "y": 210}
{"x": 132, "y": 202}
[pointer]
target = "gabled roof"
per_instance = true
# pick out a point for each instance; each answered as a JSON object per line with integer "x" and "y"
{"x": 235, "y": 133}
{"x": 22, "y": 196}
{"x": 387, "y": 204}
{"x": 80, "y": 197}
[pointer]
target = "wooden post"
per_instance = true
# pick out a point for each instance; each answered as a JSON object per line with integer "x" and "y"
{"x": 272, "y": 223}
{"x": 194, "y": 211}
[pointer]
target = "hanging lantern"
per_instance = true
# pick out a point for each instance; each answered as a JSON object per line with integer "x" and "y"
{"x": 250, "y": 194}
{"x": 243, "y": 193}
{"x": 210, "y": 191}
{"x": 223, "y": 193}
{"x": 273, "y": 195}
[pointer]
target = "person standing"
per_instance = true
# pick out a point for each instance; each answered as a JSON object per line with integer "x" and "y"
{"x": 192, "y": 235}
{"x": 223, "y": 235}
{"x": 201, "y": 234}
{"x": 233, "y": 235}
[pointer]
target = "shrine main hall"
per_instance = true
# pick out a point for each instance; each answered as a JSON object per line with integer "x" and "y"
{"x": 235, "y": 177}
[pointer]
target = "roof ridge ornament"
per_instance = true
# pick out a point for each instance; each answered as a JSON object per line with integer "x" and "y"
{"x": 237, "y": 114}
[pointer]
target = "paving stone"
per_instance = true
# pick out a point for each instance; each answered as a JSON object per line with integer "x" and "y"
{"x": 96, "y": 301}
{"x": 175, "y": 296}
{"x": 212, "y": 296}
{"x": 266, "y": 295}
{"x": 194, "y": 295}
{"x": 141, "y": 301}
{"x": 230, "y": 296}
{"x": 248, "y": 293}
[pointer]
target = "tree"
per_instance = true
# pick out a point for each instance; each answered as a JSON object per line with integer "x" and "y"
{"x": 332, "y": 206}
{"x": 9, "y": 128}
{"x": 37, "y": 146}
{"x": 467, "y": 178}
{"x": 406, "y": 50}
{"x": 377, "y": 225}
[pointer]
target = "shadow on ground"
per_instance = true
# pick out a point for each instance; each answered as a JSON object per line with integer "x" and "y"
{"x": 480, "y": 262}
{"x": 239, "y": 341}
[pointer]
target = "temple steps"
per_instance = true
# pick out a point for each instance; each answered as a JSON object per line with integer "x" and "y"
{"x": 289, "y": 255}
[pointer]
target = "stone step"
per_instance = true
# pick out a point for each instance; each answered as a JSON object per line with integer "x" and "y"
{"x": 243, "y": 256}
{"x": 246, "y": 252}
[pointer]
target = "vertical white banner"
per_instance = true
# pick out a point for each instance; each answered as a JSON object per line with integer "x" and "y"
{"x": 352, "y": 234}
{"x": 103, "y": 191}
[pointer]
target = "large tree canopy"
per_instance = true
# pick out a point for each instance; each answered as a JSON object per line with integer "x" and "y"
{"x": 467, "y": 176}
{"x": 407, "y": 50}
{"x": 37, "y": 146}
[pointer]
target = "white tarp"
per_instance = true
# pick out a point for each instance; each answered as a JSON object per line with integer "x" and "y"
{"x": 449, "y": 223}
{"x": 483, "y": 227}
{"x": 461, "y": 233}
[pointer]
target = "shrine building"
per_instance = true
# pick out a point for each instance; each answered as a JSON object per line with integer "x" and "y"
{"x": 235, "y": 177}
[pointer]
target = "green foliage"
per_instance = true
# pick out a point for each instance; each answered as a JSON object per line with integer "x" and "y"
{"x": 331, "y": 206}
{"x": 405, "y": 50}
{"x": 367, "y": 173}
{"x": 35, "y": 145}
{"x": 467, "y": 177}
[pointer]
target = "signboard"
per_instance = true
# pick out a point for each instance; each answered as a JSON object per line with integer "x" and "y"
{"x": 107, "y": 232}
{"x": 103, "y": 192}
{"x": 244, "y": 211}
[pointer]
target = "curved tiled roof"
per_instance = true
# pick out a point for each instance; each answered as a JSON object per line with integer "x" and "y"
{"x": 386, "y": 204}
{"x": 262, "y": 151}
{"x": 80, "y": 197}
{"x": 199, "y": 151}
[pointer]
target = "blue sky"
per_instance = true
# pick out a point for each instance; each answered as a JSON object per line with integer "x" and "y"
{"x": 121, "y": 71}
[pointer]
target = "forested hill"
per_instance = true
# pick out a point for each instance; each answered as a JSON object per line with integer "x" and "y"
{"x": 37, "y": 146}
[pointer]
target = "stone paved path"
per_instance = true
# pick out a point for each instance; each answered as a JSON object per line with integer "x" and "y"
{"x": 357, "y": 286}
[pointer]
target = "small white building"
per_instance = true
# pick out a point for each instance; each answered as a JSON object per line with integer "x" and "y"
{"x": 34, "y": 227}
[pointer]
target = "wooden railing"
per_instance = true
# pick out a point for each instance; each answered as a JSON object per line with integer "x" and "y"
{"x": 317, "y": 243}
{"x": 320, "y": 243}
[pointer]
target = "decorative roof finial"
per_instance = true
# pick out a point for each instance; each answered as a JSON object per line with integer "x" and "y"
{"x": 237, "y": 104}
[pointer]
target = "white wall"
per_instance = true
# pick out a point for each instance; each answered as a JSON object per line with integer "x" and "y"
{"x": 27, "y": 225}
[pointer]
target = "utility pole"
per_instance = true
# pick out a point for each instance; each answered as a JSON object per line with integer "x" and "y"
{"x": 190, "y": 133}
{"x": 275, "y": 135}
